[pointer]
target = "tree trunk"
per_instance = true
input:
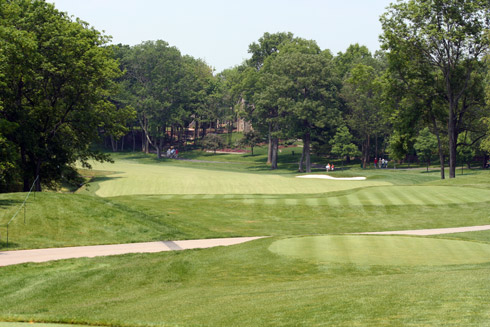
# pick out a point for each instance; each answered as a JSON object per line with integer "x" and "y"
{"x": 269, "y": 149}
{"x": 439, "y": 147}
{"x": 24, "y": 169}
{"x": 306, "y": 147}
{"x": 301, "y": 160}
{"x": 134, "y": 139}
{"x": 366, "y": 152}
{"x": 37, "y": 174}
{"x": 275, "y": 145}
{"x": 453, "y": 138}
{"x": 113, "y": 144}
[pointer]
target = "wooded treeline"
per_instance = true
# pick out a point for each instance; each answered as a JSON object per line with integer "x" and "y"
{"x": 63, "y": 88}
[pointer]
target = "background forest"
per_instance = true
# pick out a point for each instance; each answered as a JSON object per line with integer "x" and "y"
{"x": 65, "y": 92}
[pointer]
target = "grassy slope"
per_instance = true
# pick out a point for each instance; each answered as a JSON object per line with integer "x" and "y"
{"x": 247, "y": 285}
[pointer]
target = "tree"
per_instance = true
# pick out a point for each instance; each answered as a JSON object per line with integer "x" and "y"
{"x": 212, "y": 142}
{"x": 251, "y": 139}
{"x": 342, "y": 145}
{"x": 154, "y": 70}
{"x": 298, "y": 93}
{"x": 266, "y": 113}
{"x": 58, "y": 76}
{"x": 426, "y": 146}
{"x": 449, "y": 37}
{"x": 362, "y": 91}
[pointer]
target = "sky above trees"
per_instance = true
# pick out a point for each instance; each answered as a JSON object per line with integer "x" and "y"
{"x": 219, "y": 31}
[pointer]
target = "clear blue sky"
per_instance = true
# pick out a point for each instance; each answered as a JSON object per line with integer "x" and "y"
{"x": 219, "y": 31}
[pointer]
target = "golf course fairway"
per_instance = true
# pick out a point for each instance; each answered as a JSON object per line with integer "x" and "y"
{"x": 133, "y": 178}
{"x": 382, "y": 250}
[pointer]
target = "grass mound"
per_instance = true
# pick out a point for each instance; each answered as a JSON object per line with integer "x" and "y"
{"x": 383, "y": 250}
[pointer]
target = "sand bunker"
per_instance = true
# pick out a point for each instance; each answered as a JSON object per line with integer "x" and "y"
{"x": 336, "y": 178}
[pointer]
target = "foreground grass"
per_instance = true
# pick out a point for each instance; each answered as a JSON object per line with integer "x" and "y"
{"x": 244, "y": 285}
{"x": 247, "y": 284}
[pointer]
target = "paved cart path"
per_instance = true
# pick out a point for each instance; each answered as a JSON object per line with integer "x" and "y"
{"x": 42, "y": 255}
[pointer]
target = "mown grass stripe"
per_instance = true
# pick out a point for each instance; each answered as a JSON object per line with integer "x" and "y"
{"x": 442, "y": 194}
{"x": 417, "y": 195}
{"x": 312, "y": 202}
{"x": 291, "y": 202}
{"x": 363, "y": 198}
{"x": 249, "y": 201}
{"x": 471, "y": 195}
{"x": 384, "y": 195}
{"x": 353, "y": 199}
{"x": 423, "y": 197}
{"x": 332, "y": 201}
{"x": 343, "y": 201}
{"x": 372, "y": 197}
{"x": 401, "y": 197}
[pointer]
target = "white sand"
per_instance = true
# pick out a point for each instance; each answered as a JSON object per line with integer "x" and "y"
{"x": 336, "y": 178}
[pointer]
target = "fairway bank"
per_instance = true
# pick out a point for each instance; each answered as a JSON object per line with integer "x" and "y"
{"x": 134, "y": 178}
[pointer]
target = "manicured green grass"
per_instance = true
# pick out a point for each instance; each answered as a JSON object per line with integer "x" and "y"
{"x": 383, "y": 250}
{"x": 134, "y": 178}
{"x": 388, "y": 200}
{"x": 248, "y": 284}
{"x": 244, "y": 285}
{"x": 55, "y": 220}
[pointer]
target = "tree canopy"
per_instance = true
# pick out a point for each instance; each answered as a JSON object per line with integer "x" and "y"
{"x": 58, "y": 77}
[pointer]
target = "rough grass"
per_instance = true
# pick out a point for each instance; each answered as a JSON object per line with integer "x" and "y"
{"x": 244, "y": 285}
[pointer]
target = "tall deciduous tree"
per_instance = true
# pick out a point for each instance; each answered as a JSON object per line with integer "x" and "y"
{"x": 267, "y": 46}
{"x": 58, "y": 76}
{"x": 361, "y": 92}
{"x": 299, "y": 86}
{"x": 450, "y": 36}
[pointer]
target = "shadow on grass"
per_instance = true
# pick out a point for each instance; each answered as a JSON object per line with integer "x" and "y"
{"x": 9, "y": 203}
{"x": 3, "y": 244}
{"x": 98, "y": 179}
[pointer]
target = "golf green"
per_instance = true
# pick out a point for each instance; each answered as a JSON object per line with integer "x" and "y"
{"x": 382, "y": 250}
